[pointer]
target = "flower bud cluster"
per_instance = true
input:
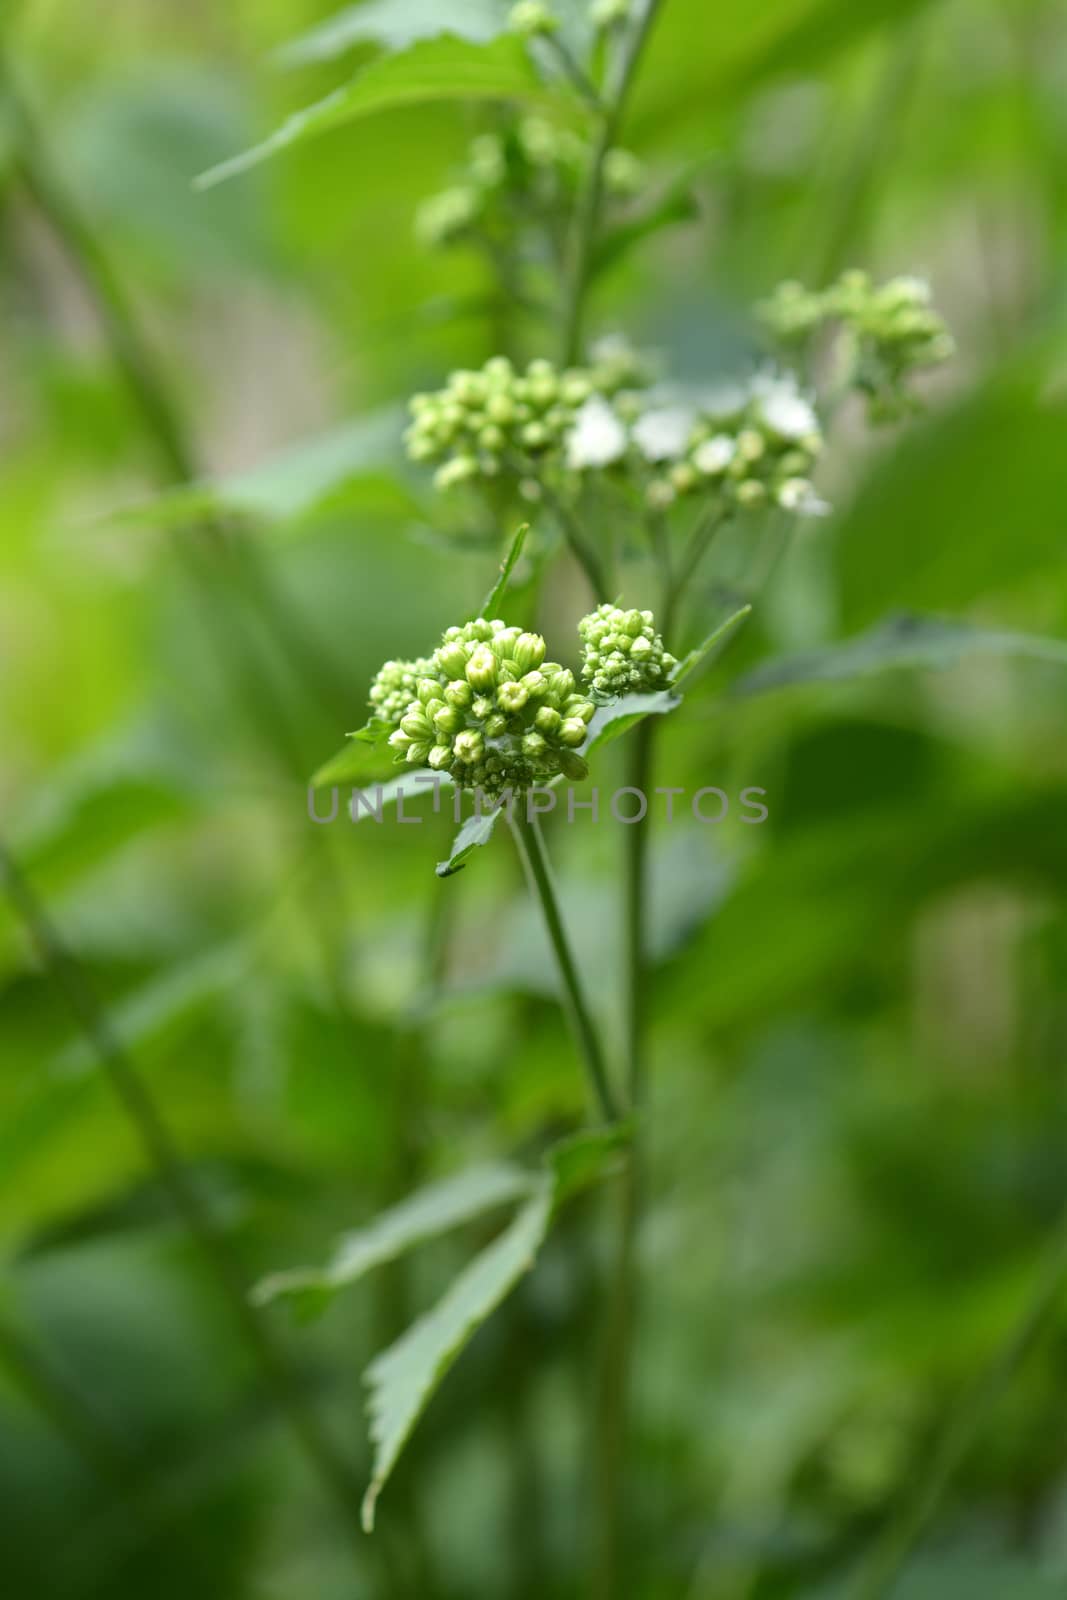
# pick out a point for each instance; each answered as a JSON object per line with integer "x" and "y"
{"x": 527, "y": 171}
{"x": 623, "y": 653}
{"x": 395, "y": 687}
{"x": 890, "y": 331}
{"x": 497, "y": 418}
{"x": 494, "y": 713}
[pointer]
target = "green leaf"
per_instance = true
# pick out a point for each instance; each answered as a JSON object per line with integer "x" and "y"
{"x": 342, "y": 467}
{"x": 585, "y": 1158}
{"x": 507, "y": 567}
{"x": 404, "y": 1378}
{"x": 904, "y": 641}
{"x": 475, "y": 832}
{"x": 357, "y": 762}
{"x": 618, "y": 716}
{"x": 431, "y": 1211}
{"x": 445, "y": 68}
{"x": 967, "y": 501}
{"x": 697, "y": 657}
{"x": 396, "y": 24}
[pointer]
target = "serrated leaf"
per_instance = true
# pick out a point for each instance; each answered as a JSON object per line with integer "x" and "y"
{"x": 431, "y": 1211}
{"x": 901, "y": 642}
{"x": 475, "y": 832}
{"x": 697, "y": 657}
{"x": 445, "y": 68}
{"x": 612, "y": 720}
{"x": 404, "y": 1378}
{"x": 396, "y": 24}
{"x": 507, "y": 567}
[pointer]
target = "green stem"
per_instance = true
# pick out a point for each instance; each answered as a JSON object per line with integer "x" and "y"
{"x": 531, "y": 845}
{"x": 585, "y": 556}
{"x": 891, "y": 1552}
{"x": 696, "y": 549}
{"x": 70, "y": 979}
{"x": 590, "y": 203}
{"x": 613, "y": 1401}
{"x": 572, "y": 70}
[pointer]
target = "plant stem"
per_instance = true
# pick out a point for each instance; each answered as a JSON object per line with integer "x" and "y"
{"x": 891, "y": 1552}
{"x": 572, "y": 69}
{"x": 587, "y": 216}
{"x": 531, "y": 846}
{"x": 586, "y": 557}
{"x": 69, "y": 977}
{"x": 617, "y": 1351}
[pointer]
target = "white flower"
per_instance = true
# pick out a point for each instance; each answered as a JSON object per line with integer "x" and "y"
{"x": 715, "y": 454}
{"x": 597, "y": 438}
{"x": 662, "y": 435}
{"x": 797, "y": 494}
{"x": 783, "y": 409}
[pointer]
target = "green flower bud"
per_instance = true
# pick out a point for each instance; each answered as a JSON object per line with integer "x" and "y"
{"x": 468, "y": 746}
{"x": 482, "y": 706}
{"x": 417, "y": 753}
{"x": 624, "y": 174}
{"x": 440, "y": 757}
{"x": 547, "y": 720}
{"x": 500, "y": 409}
{"x": 481, "y": 668}
{"x": 452, "y": 660}
{"x": 459, "y": 693}
{"x": 459, "y": 470}
{"x": 534, "y": 745}
{"x": 534, "y": 683}
{"x": 491, "y": 438}
{"x": 416, "y": 724}
{"x": 606, "y": 13}
{"x": 512, "y": 697}
{"x": 496, "y": 725}
{"x": 531, "y": 19}
{"x": 529, "y": 651}
{"x": 448, "y": 720}
{"x": 750, "y": 493}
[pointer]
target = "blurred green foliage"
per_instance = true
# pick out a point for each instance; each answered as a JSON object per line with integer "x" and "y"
{"x": 858, "y": 1119}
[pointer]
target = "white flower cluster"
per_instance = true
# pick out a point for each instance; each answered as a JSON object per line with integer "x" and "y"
{"x": 752, "y": 444}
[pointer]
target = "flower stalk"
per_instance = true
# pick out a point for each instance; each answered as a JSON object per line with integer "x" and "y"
{"x": 531, "y": 847}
